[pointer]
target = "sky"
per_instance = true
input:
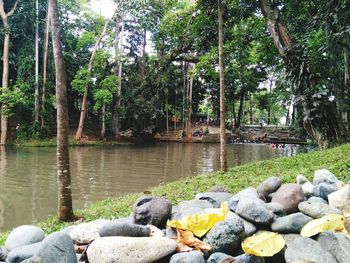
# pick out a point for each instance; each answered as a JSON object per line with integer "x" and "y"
{"x": 103, "y": 7}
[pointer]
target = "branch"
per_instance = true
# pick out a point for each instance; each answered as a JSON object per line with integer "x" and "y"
{"x": 2, "y": 10}
{"x": 13, "y": 9}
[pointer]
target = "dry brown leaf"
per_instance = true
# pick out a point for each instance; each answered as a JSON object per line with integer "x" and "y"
{"x": 187, "y": 238}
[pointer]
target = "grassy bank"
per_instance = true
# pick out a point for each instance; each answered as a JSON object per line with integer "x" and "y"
{"x": 72, "y": 142}
{"x": 336, "y": 160}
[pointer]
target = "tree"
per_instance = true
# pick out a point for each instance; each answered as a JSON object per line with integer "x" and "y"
{"x": 5, "y": 68}
{"x": 36, "y": 92}
{"x": 223, "y": 154}
{"x": 65, "y": 206}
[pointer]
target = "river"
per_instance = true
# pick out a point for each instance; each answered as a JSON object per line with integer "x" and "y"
{"x": 28, "y": 181}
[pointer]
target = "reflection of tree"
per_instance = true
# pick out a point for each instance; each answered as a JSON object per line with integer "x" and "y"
{"x": 3, "y": 164}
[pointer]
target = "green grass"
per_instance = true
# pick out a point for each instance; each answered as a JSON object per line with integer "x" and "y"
{"x": 336, "y": 160}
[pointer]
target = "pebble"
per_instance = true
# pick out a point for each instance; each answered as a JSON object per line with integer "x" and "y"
{"x": 336, "y": 244}
{"x": 123, "y": 229}
{"x": 254, "y": 210}
{"x": 325, "y": 176}
{"x": 323, "y": 190}
{"x": 84, "y": 233}
{"x": 317, "y": 210}
{"x": 341, "y": 198}
{"x": 289, "y": 196}
{"x": 187, "y": 257}
{"x": 305, "y": 184}
{"x": 315, "y": 199}
{"x": 269, "y": 186}
{"x": 22, "y": 253}
{"x": 215, "y": 198}
{"x": 292, "y": 223}
{"x": 24, "y": 235}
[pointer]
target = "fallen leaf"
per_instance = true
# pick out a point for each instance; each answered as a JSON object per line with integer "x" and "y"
{"x": 264, "y": 244}
{"x": 326, "y": 223}
{"x": 186, "y": 237}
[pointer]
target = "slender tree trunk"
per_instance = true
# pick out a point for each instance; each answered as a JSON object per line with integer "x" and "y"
{"x": 234, "y": 117}
{"x": 223, "y": 154}
{"x": 120, "y": 74}
{"x": 5, "y": 69}
{"x": 79, "y": 133}
{"x": 65, "y": 206}
{"x": 240, "y": 111}
{"x": 184, "y": 94}
{"x": 167, "y": 114}
{"x": 103, "y": 128}
{"x": 251, "y": 122}
{"x": 36, "y": 92}
{"x": 143, "y": 59}
{"x": 46, "y": 46}
{"x": 189, "y": 112}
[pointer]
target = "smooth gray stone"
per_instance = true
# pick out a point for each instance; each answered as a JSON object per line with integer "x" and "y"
{"x": 305, "y": 184}
{"x": 22, "y": 253}
{"x": 152, "y": 210}
{"x": 249, "y": 228}
{"x": 67, "y": 230}
{"x": 336, "y": 244}
{"x": 219, "y": 257}
{"x": 123, "y": 220}
{"x": 276, "y": 208}
{"x": 215, "y": 198}
{"x": 325, "y": 176}
{"x": 317, "y": 210}
{"x": 24, "y": 235}
{"x": 249, "y": 192}
{"x": 124, "y": 229}
{"x": 245, "y": 258}
{"x": 315, "y": 199}
{"x": 219, "y": 188}
{"x": 225, "y": 236}
{"x": 187, "y": 257}
{"x": 57, "y": 248}
{"x": 189, "y": 207}
{"x": 289, "y": 238}
{"x": 292, "y": 223}
{"x": 323, "y": 190}
{"x": 304, "y": 248}
{"x": 254, "y": 210}
{"x": 269, "y": 186}
{"x": 33, "y": 259}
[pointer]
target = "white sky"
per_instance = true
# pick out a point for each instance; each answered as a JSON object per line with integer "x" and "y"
{"x": 103, "y": 7}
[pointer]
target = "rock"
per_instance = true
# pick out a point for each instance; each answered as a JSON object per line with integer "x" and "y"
{"x": 254, "y": 210}
{"x": 190, "y": 207}
{"x": 33, "y": 259}
{"x": 152, "y": 210}
{"x": 84, "y": 233}
{"x": 305, "y": 184}
{"x": 292, "y": 223}
{"x": 317, "y": 210}
{"x": 24, "y": 235}
{"x": 315, "y": 199}
{"x": 323, "y": 190}
{"x": 307, "y": 249}
{"x": 57, "y": 248}
{"x": 289, "y": 238}
{"x": 289, "y": 196}
{"x": 3, "y": 253}
{"x": 128, "y": 219}
{"x": 276, "y": 208}
{"x": 336, "y": 244}
{"x": 220, "y": 257}
{"x": 325, "y": 176}
{"x": 249, "y": 192}
{"x": 269, "y": 186}
{"x": 67, "y": 230}
{"x": 249, "y": 228}
{"x": 340, "y": 199}
{"x": 123, "y": 229}
{"x": 22, "y": 253}
{"x": 129, "y": 249}
{"x": 225, "y": 236}
{"x": 245, "y": 258}
{"x": 171, "y": 233}
{"x": 219, "y": 188}
{"x": 187, "y": 257}
{"x": 215, "y": 198}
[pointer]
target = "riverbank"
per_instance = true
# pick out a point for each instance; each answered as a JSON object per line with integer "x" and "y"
{"x": 72, "y": 142}
{"x": 336, "y": 160}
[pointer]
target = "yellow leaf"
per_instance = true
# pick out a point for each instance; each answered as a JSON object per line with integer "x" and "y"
{"x": 200, "y": 224}
{"x": 326, "y": 223}
{"x": 265, "y": 244}
{"x": 187, "y": 239}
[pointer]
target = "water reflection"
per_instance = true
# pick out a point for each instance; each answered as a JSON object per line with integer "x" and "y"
{"x": 28, "y": 181}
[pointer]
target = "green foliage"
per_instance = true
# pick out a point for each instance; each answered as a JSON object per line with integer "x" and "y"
{"x": 81, "y": 80}
{"x": 13, "y": 97}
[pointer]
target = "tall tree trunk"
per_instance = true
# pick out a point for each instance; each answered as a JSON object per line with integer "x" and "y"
{"x": 167, "y": 114}
{"x": 189, "y": 111}
{"x": 325, "y": 129}
{"x": 184, "y": 94}
{"x": 143, "y": 59}
{"x": 5, "y": 68}
{"x": 65, "y": 206}
{"x": 120, "y": 74}
{"x": 45, "y": 49}
{"x": 79, "y": 133}
{"x": 103, "y": 128}
{"x": 234, "y": 117}
{"x": 36, "y": 92}
{"x": 240, "y": 111}
{"x": 250, "y": 109}
{"x": 223, "y": 154}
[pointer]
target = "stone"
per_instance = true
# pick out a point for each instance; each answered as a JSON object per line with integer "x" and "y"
{"x": 129, "y": 249}
{"x": 323, "y": 190}
{"x": 152, "y": 210}
{"x": 171, "y": 233}
{"x": 340, "y": 199}
{"x": 336, "y": 244}
{"x": 33, "y": 259}
{"x": 269, "y": 186}
{"x": 315, "y": 199}
{"x": 3, "y": 253}
{"x": 67, "y": 230}
{"x": 215, "y": 198}
{"x": 307, "y": 249}
{"x": 305, "y": 184}
{"x": 219, "y": 188}
{"x": 187, "y": 257}
{"x": 276, "y": 208}
{"x": 325, "y": 176}
{"x": 128, "y": 219}
{"x": 289, "y": 238}
{"x": 292, "y": 223}
{"x": 289, "y": 196}
{"x": 84, "y": 233}
{"x": 249, "y": 192}
{"x": 220, "y": 257}
{"x": 123, "y": 229}
{"x": 22, "y": 253}
{"x": 57, "y": 248}
{"x": 317, "y": 210}
{"x": 249, "y": 228}
{"x": 189, "y": 207}
{"x": 245, "y": 258}
{"x": 254, "y": 210}
{"x": 225, "y": 236}
{"x": 24, "y": 235}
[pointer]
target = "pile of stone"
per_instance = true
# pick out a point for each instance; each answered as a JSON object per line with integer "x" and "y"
{"x": 144, "y": 237}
